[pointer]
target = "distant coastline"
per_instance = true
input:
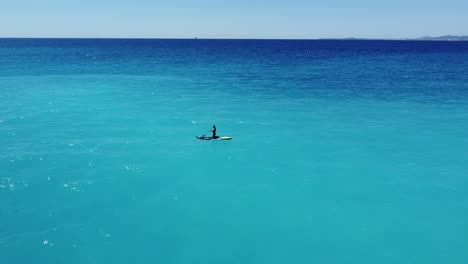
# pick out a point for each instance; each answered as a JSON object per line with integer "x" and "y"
{"x": 424, "y": 38}
{"x": 445, "y": 38}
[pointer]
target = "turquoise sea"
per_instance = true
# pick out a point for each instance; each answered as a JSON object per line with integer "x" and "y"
{"x": 342, "y": 151}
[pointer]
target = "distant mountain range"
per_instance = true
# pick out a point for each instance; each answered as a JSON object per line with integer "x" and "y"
{"x": 447, "y": 37}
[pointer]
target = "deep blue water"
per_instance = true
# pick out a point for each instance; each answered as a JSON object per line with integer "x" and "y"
{"x": 344, "y": 151}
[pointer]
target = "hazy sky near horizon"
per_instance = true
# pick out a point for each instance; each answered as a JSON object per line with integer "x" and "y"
{"x": 233, "y": 19}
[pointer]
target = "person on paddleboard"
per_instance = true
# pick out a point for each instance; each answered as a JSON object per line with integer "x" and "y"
{"x": 214, "y": 136}
{"x": 214, "y": 132}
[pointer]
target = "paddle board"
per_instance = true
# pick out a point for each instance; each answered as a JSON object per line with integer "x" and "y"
{"x": 217, "y": 138}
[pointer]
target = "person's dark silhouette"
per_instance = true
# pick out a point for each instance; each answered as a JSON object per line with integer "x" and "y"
{"x": 214, "y": 132}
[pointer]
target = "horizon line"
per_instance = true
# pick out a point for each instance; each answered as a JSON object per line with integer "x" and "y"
{"x": 202, "y": 38}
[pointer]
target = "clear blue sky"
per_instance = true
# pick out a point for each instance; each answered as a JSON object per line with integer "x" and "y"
{"x": 233, "y": 19}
